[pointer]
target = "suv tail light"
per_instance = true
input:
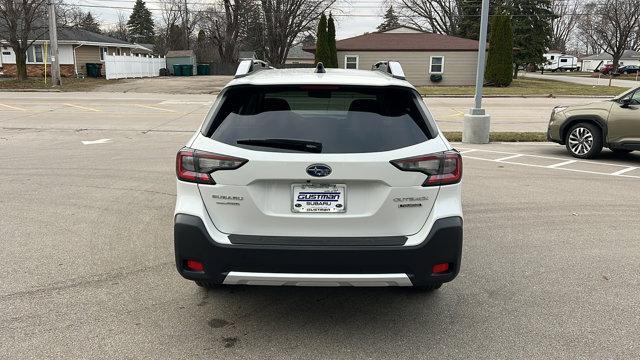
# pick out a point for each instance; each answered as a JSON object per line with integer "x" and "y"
{"x": 441, "y": 168}
{"x": 197, "y": 166}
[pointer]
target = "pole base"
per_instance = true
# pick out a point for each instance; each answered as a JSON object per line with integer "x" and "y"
{"x": 476, "y": 129}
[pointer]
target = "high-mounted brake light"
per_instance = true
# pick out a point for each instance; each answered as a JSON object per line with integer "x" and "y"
{"x": 442, "y": 168}
{"x": 197, "y": 166}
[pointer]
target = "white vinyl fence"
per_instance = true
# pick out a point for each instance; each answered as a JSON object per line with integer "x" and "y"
{"x": 132, "y": 66}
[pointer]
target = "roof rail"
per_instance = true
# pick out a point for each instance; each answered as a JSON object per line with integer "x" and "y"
{"x": 392, "y": 68}
{"x": 248, "y": 66}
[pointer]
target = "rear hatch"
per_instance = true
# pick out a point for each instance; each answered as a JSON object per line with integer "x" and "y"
{"x": 313, "y": 161}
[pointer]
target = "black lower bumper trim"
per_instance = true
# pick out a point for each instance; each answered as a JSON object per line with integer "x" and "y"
{"x": 317, "y": 241}
{"x": 442, "y": 245}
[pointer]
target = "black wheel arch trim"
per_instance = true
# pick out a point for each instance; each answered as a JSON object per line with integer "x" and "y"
{"x": 572, "y": 120}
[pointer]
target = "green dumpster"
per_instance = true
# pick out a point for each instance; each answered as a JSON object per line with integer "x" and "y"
{"x": 93, "y": 70}
{"x": 177, "y": 70}
{"x": 187, "y": 70}
{"x": 203, "y": 69}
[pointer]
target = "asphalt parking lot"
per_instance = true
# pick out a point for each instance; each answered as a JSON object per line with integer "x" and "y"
{"x": 551, "y": 262}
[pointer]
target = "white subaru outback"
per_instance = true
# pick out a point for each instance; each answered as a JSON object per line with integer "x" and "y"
{"x": 318, "y": 177}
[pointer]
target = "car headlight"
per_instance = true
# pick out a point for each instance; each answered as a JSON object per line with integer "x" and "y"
{"x": 557, "y": 109}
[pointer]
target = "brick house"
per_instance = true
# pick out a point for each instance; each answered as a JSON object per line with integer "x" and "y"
{"x": 76, "y": 48}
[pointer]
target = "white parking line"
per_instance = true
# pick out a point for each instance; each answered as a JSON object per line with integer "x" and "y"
{"x": 468, "y": 151}
{"x": 509, "y": 157}
{"x": 620, "y": 172}
{"x": 153, "y": 107}
{"x": 13, "y": 107}
{"x": 557, "y": 166}
{"x": 562, "y": 164}
{"x": 82, "y": 107}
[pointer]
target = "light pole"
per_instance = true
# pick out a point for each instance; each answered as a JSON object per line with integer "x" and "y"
{"x": 477, "y": 123}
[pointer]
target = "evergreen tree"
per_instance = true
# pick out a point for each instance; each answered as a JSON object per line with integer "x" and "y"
{"x": 140, "y": 24}
{"x": 331, "y": 43}
{"x": 322, "y": 45}
{"x": 89, "y": 23}
{"x": 390, "y": 21}
{"x": 532, "y": 31}
{"x": 500, "y": 59}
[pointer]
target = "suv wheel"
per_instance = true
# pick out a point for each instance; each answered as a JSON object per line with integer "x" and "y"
{"x": 584, "y": 141}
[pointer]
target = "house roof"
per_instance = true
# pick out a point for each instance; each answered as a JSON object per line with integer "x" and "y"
{"x": 179, "y": 53}
{"x": 627, "y": 55}
{"x": 425, "y": 41}
{"x": 74, "y": 35}
{"x": 296, "y": 52}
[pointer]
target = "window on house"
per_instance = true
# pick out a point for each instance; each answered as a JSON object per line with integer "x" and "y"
{"x": 563, "y": 60}
{"x": 30, "y": 54}
{"x": 351, "y": 62}
{"x": 553, "y": 57}
{"x": 37, "y": 49}
{"x": 103, "y": 50}
{"x": 436, "y": 65}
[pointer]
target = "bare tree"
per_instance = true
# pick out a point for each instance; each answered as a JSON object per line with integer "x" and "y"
{"x": 119, "y": 30}
{"x": 285, "y": 21}
{"x": 22, "y": 23}
{"x": 439, "y": 16}
{"x": 567, "y": 12}
{"x": 223, "y": 25}
{"x": 611, "y": 25}
{"x": 179, "y": 14}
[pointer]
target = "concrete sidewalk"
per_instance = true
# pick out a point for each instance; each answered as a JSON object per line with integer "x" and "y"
{"x": 582, "y": 80}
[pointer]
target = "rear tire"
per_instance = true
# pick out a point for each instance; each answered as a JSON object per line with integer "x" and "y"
{"x": 584, "y": 141}
{"x": 207, "y": 284}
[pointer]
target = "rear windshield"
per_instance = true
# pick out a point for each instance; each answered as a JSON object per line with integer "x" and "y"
{"x": 334, "y": 119}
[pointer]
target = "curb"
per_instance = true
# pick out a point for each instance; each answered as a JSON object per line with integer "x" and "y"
{"x": 30, "y": 90}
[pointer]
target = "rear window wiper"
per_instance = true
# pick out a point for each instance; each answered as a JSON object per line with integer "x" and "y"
{"x": 289, "y": 144}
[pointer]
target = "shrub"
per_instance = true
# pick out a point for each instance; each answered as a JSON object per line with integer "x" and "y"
{"x": 436, "y": 78}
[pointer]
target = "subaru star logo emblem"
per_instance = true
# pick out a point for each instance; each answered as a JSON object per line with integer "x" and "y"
{"x": 318, "y": 170}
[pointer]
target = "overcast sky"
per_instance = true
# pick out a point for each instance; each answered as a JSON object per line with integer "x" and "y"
{"x": 353, "y": 17}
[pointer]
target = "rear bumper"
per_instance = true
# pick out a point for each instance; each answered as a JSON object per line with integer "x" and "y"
{"x": 236, "y": 263}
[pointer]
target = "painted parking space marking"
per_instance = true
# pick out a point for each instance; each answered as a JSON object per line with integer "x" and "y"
{"x": 509, "y": 157}
{"x": 81, "y": 107}
{"x": 562, "y": 163}
{"x": 153, "y": 108}
{"x": 12, "y": 107}
{"x": 620, "y": 172}
{"x": 557, "y": 163}
{"x": 93, "y": 142}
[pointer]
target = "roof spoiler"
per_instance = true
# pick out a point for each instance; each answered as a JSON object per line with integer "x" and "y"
{"x": 392, "y": 68}
{"x": 248, "y": 66}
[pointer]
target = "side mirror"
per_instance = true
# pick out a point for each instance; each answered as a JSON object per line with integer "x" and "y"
{"x": 624, "y": 103}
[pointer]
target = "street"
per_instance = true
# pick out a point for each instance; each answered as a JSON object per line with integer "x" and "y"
{"x": 550, "y": 264}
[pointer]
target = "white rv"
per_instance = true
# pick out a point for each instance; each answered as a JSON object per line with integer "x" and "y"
{"x": 557, "y": 61}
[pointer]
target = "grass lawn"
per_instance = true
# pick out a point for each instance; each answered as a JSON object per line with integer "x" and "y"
{"x": 68, "y": 84}
{"x": 527, "y": 87}
{"x": 456, "y": 136}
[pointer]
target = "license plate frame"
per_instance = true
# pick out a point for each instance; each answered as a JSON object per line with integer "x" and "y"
{"x": 340, "y": 205}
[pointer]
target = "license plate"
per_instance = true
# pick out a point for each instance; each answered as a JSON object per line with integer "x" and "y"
{"x": 308, "y": 198}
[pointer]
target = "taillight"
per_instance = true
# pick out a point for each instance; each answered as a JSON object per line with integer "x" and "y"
{"x": 441, "y": 168}
{"x": 197, "y": 166}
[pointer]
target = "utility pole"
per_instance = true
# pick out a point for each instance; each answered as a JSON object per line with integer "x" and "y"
{"x": 53, "y": 38}
{"x": 477, "y": 123}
